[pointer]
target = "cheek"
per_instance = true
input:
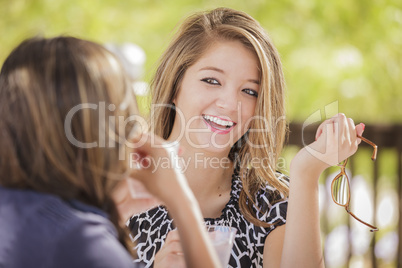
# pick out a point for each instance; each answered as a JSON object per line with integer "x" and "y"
{"x": 247, "y": 114}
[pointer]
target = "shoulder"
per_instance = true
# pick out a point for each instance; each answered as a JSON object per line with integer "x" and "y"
{"x": 51, "y": 233}
{"x": 89, "y": 239}
{"x": 270, "y": 204}
{"x": 153, "y": 217}
{"x": 91, "y": 242}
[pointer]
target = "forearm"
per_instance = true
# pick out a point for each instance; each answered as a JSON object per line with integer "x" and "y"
{"x": 197, "y": 248}
{"x": 336, "y": 140}
{"x": 302, "y": 245}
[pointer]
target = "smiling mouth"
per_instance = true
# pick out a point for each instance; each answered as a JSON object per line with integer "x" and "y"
{"x": 218, "y": 123}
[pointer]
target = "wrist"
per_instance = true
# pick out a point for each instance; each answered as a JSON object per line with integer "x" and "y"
{"x": 306, "y": 167}
{"x": 308, "y": 161}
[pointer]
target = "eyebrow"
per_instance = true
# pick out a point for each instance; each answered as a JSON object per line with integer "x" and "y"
{"x": 211, "y": 68}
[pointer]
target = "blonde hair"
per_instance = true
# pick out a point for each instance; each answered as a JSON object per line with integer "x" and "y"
{"x": 192, "y": 39}
{"x": 41, "y": 81}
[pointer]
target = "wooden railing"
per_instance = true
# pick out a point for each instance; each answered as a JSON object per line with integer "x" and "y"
{"x": 387, "y": 137}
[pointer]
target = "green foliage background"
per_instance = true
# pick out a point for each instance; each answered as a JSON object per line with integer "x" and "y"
{"x": 342, "y": 51}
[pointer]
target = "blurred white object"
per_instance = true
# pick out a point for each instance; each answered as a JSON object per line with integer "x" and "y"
{"x": 140, "y": 88}
{"x": 362, "y": 206}
{"x": 337, "y": 247}
{"x": 133, "y": 59}
{"x": 387, "y": 209}
{"x": 386, "y": 247}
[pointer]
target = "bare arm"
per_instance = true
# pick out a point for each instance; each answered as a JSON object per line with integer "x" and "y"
{"x": 302, "y": 243}
{"x": 170, "y": 186}
{"x": 273, "y": 247}
{"x": 336, "y": 141}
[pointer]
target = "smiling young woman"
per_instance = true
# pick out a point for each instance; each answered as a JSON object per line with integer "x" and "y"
{"x": 217, "y": 97}
{"x": 219, "y": 91}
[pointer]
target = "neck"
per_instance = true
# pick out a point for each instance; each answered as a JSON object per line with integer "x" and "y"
{"x": 208, "y": 173}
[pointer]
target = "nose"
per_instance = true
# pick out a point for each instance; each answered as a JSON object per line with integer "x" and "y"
{"x": 228, "y": 100}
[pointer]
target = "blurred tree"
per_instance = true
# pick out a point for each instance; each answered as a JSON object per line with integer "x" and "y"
{"x": 344, "y": 51}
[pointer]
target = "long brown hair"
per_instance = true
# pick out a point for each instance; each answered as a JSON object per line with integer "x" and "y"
{"x": 54, "y": 136}
{"x": 191, "y": 40}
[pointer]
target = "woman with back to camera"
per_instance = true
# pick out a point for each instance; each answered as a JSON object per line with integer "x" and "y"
{"x": 219, "y": 91}
{"x": 62, "y": 158}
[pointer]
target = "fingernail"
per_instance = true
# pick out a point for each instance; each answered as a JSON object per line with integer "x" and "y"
{"x": 363, "y": 125}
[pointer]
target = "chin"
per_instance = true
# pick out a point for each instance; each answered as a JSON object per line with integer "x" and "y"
{"x": 212, "y": 144}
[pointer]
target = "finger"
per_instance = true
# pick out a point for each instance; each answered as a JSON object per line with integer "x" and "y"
{"x": 155, "y": 147}
{"x": 138, "y": 189}
{"x": 141, "y": 159}
{"x": 172, "y": 243}
{"x": 343, "y": 126}
{"x": 173, "y": 247}
{"x": 360, "y": 129}
{"x": 121, "y": 192}
{"x": 323, "y": 128}
{"x": 318, "y": 133}
{"x": 143, "y": 144}
{"x": 170, "y": 260}
{"x": 333, "y": 127}
{"x": 344, "y": 129}
{"x": 172, "y": 236}
{"x": 352, "y": 131}
{"x": 330, "y": 129}
{"x": 170, "y": 255}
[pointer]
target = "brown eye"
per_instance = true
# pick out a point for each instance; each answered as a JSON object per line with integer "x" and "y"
{"x": 250, "y": 92}
{"x": 211, "y": 81}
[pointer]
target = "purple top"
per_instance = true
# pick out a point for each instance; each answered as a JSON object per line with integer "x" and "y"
{"x": 42, "y": 230}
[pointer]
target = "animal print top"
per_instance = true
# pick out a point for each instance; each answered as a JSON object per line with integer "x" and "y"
{"x": 149, "y": 229}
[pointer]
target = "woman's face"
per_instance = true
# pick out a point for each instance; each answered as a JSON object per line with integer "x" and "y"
{"x": 217, "y": 98}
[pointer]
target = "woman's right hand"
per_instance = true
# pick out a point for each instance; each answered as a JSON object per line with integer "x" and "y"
{"x": 169, "y": 185}
{"x": 129, "y": 203}
{"x": 164, "y": 182}
{"x": 171, "y": 253}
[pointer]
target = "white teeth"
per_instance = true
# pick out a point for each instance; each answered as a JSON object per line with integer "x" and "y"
{"x": 218, "y": 121}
